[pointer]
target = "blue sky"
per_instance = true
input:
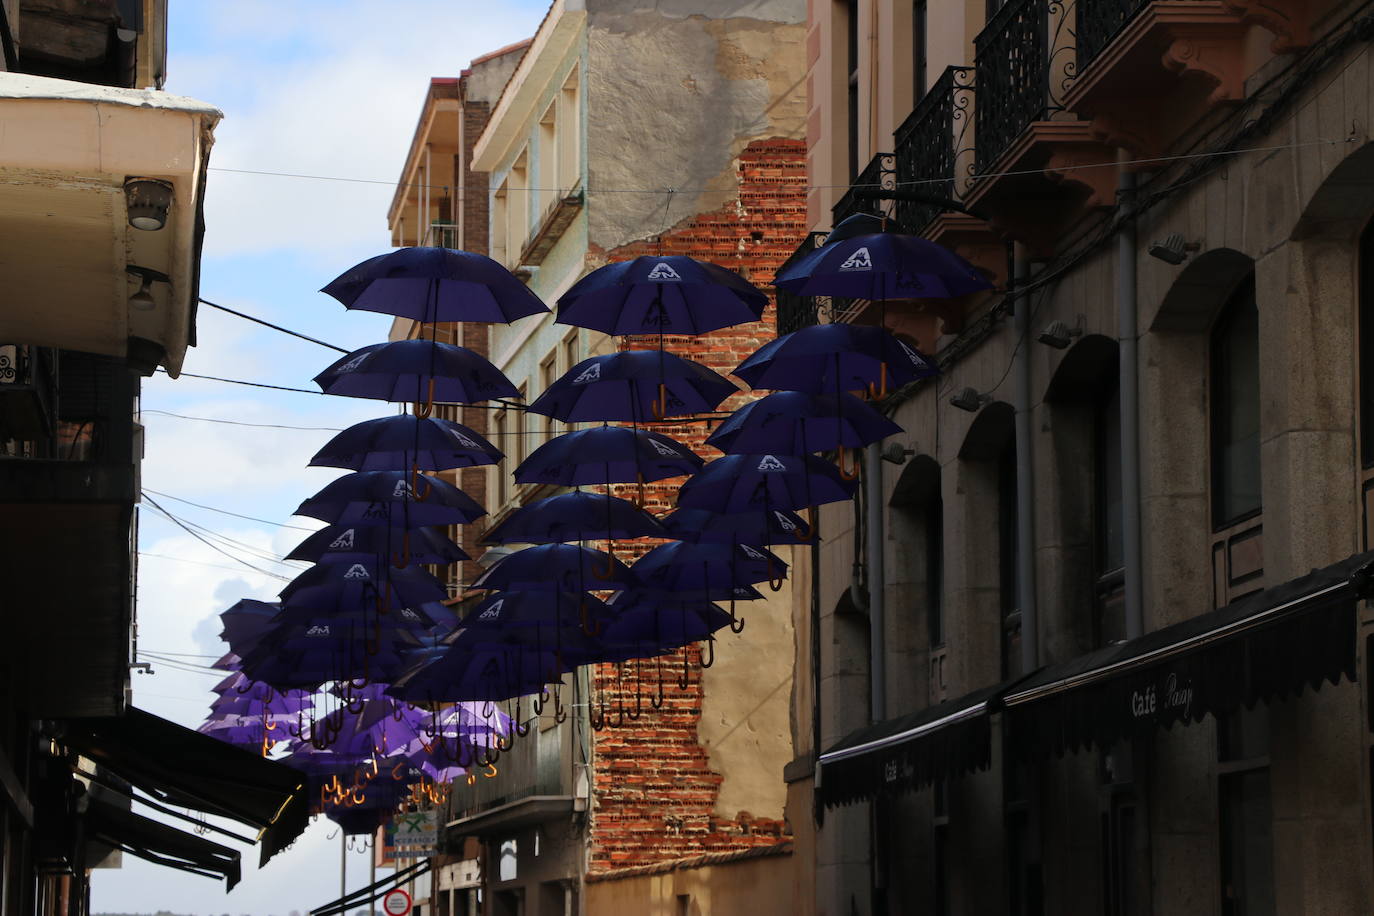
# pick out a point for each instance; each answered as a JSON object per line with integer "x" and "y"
{"x": 316, "y": 87}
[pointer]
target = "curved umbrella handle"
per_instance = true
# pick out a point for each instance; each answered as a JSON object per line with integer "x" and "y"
{"x": 402, "y": 559}
{"x": 709, "y": 659}
{"x": 847, "y": 473}
{"x": 876, "y": 392}
{"x": 610, "y": 564}
{"x": 737, "y": 621}
{"x": 382, "y": 602}
{"x": 420, "y": 489}
{"x": 804, "y": 534}
{"x": 398, "y": 772}
{"x": 427, "y": 408}
{"x": 659, "y": 405}
{"x": 774, "y": 583}
{"x": 684, "y": 679}
{"x": 560, "y": 712}
{"x": 589, "y": 627}
{"x": 245, "y": 687}
{"x": 371, "y": 647}
{"x": 657, "y": 700}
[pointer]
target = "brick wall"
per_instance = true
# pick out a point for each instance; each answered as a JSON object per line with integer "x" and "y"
{"x": 654, "y": 789}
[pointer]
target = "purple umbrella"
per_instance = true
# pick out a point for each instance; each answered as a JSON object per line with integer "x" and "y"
{"x": 606, "y": 455}
{"x": 667, "y": 294}
{"x": 247, "y": 619}
{"x": 540, "y": 619}
{"x": 649, "y": 624}
{"x": 757, "y": 529}
{"x": 633, "y": 386}
{"x": 423, "y": 371}
{"x": 680, "y": 567}
{"x": 487, "y": 672}
{"x": 405, "y": 442}
{"x": 434, "y": 285}
{"x": 796, "y": 422}
{"x": 387, "y": 498}
{"x": 353, "y": 585}
{"x": 343, "y": 544}
{"x": 881, "y": 266}
{"x": 575, "y": 517}
{"x": 831, "y": 358}
{"x": 762, "y": 483}
{"x": 556, "y": 567}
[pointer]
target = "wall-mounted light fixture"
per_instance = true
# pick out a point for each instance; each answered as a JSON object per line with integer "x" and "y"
{"x": 1172, "y": 249}
{"x": 143, "y": 299}
{"x": 969, "y": 399}
{"x": 1059, "y": 335}
{"x": 147, "y": 200}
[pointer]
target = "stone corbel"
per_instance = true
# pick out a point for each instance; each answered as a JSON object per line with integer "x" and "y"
{"x": 1287, "y": 19}
{"x": 1216, "y": 58}
{"x": 1089, "y": 165}
{"x": 1127, "y": 128}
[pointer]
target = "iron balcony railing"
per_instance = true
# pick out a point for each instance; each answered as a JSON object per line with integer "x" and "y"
{"x": 933, "y": 146}
{"x": 442, "y": 235}
{"x": 1025, "y": 60}
{"x": 797, "y": 312}
{"x": 1098, "y": 22}
{"x": 879, "y": 174}
{"x": 538, "y": 764}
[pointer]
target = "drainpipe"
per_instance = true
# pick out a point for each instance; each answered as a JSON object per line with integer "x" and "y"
{"x": 1025, "y": 478}
{"x": 877, "y": 582}
{"x": 1128, "y": 331}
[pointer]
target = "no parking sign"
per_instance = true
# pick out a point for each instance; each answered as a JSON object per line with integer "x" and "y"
{"x": 396, "y": 903}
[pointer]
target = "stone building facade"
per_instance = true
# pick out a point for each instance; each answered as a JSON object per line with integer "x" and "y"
{"x": 1101, "y": 680}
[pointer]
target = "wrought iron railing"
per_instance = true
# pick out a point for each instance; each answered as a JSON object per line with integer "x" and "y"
{"x": 1098, "y": 23}
{"x": 442, "y": 235}
{"x": 879, "y": 174}
{"x": 1025, "y": 60}
{"x": 797, "y": 312}
{"x": 932, "y": 147}
{"x": 537, "y": 764}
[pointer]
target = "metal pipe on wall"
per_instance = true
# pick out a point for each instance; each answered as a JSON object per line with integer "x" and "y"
{"x": 1128, "y": 332}
{"x": 877, "y": 583}
{"x": 1025, "y": 476}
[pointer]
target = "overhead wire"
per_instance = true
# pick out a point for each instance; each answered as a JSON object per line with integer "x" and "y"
{"x": 275, "y": 327}
{"x": 250, "y": 518}
{"x": 213, "y": 546}
{"x": 182, "y": 416}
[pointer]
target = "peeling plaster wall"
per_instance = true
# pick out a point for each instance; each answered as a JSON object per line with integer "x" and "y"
{"x": 677, "y": 97}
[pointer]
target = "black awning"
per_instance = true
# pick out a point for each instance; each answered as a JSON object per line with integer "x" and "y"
{"x": 1267, "y": 646}
{"x": 945, "y": 740}
{"x": 157, "y": 842}
{"x": 181, "y": 767}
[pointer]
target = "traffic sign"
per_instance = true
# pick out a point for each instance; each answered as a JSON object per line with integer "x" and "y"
{"x": 396, "y": 903}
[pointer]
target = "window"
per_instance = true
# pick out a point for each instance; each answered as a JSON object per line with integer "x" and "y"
{"x": 572, "y": 355}
{"x": 569, "y": 136}
{"x": 548, "y": 374}
{"x": 518, "y": 427}
{"x": 518, "y": 210}
{"x": 918, "y": 50}
{"x": 852, "y": 78}
{"x": 501, "y": 472}
{"x": 548, "y": 177}
{"x": 500, "y": 204}
{"x": 1235, "y": 409}
{"x": 1246, "y": 821}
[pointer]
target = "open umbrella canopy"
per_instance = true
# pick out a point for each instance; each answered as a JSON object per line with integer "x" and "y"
{"x": 666, "y": 294}
{"x": 750, "y": 483}
{"x": 556, "y": 568}
{"x": 247, "y": 619}
{"x": 365, "y": 583}
{"x": 401, "y": 442}
{"x": 651, "y": 624}
{"x": 633, "y": 386}
{"x": 488, "y": 672}
{"x": 386, "y": 498}
{"x": 758, "y": 529}
{"x": 797, "y": 422}
{"x": 503, "y": 613}
{"x": 830, "y": 358}
{"x": 606, "y": 455}
{"x": 885, "y": 265}
{"x": 416, "y": 370}
{"x": 679, "y": 566}
{"x": 435, "y": 284}
{"x": 349, "y": 544}
{"x": 575, "y": 517}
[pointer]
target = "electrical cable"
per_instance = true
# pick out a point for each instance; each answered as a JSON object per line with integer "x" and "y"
{"x": 182, "y": 416}
{"x": 268, "y": 324}
{"x": 234, "y": 381}
{"x": 215, "y": 547}
{"x": 249, "y": 518}
{"x": 163, "y": 556}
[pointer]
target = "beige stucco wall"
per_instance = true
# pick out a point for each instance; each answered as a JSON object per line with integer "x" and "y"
{"x": 753, "y": 887}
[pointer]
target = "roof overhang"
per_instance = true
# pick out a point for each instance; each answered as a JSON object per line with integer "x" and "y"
{"x": 440, "y": 133}
{"x": 65, "y": 240}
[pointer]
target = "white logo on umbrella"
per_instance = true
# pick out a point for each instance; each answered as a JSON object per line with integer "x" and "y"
{"x": 663, "y": 271}
{"x": 463, "y": 440}
{"x": 493, "y": 611}
{"x": 317, "y": 630}
{"x": 769, "y": 463}
{"x": 859, "y": 260}
{"x": 911, "y": 354}
{"x": 662, "y": 449}
{"x": 357, "y": 571}
{"x": 589, "y": 374}
{"x": 343, "y": 541}
{"x": 353, "y": 363}
{"x": 785, "y": 522}
{"x": 401, "y": 490}
{"x": 751, "y": 552}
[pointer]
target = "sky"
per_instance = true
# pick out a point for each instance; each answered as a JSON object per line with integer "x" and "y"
{"x": 309, "y": 87}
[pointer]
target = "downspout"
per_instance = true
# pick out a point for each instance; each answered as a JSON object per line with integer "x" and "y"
{"x": 1025, "y": 478}
{"x": 1128, "y": 332}
{"x": 877, "y": 581}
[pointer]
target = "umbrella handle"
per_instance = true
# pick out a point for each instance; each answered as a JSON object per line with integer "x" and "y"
{"x": 773, "y": 583}
{"x": 427, "y": 408}
{"x": 802, "y": 534}
{"x": 639, "y": 700}
{"x": 876, "y": 392}
{"x": 402, "y": 559}
{"x": 589, "y": 627}
{"x": 421, "y": 489}
{"x": 736, "y": 620}
{"x": 560, "y": 712}
{"x": 847, "y": 473}
{"x": 657, "y": 700}
{"x": 709, "y": 659}
{"x": 383, "y": 603}
{"x": 659, "y": 405}
{"x": 521, "y": 730}
{"x": 610, "y": 567}
{"x": 297, "y": 730}
{"x": 243, "y": 688}
{"x": 374, "y": 648}
{"x": 685, "y": 678}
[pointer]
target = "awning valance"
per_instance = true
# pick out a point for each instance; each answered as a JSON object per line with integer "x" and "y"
{"x": 946, "y": 740}
{"x": 183, "y": 768}
{"x": 159, "y": 843}
{"x": 1266, "y": 646}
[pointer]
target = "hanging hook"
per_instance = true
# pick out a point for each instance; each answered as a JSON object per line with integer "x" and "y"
{"x": 659, "y": 405}
{"x": 560, "y": 712}
{"x": 402, "y": 560}
{"x": 424, "y": 410}
{"x": 373, "y": 646}
{"x": 610, "y": 564}
{"x": 420, "y": 489}
{"x": 709, "y": 658}
{"x": 685, "y": 678}
{"x": 875, "y": 392}
{"x": 847, "y": 473}
{"x": 657, "y": 700}
{"x": 804, "y": 531}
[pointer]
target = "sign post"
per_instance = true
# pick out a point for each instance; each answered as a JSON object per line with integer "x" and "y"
{"x": 396, "y": 902}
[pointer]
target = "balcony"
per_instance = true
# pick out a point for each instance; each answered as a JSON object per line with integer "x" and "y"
{"x": 934, "y": 148}
{"x": 879, "y": 175}
{"x": 797, "y": 312}
{"x": 533, "y": 783}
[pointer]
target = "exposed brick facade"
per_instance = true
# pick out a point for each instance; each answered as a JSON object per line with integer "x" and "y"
{"x": 654, "y": 789}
